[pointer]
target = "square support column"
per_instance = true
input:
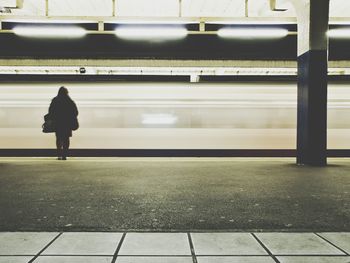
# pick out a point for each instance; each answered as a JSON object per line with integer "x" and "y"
{"x": 312, "y": 108}
{"x": 313, "y": 17}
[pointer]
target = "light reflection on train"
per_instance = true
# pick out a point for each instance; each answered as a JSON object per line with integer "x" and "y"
{"x": 135, "y": 115}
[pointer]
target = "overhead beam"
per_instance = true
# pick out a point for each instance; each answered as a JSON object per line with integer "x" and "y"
{"x": 154, "y": 63}
{"x": 162, "y": 63}
{"x": 116, "y": 19}
{"x": 161, "y": 67}
{"x": 193, "y": 71}
{"x": 288, "y": 20}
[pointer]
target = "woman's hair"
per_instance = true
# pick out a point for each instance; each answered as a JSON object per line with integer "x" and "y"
{"x": 62, "y": 92}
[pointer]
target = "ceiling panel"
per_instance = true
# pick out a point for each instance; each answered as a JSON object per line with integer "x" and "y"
{"x": 339, "y": 8}
{"x": 262, "y": 8}
{"x": 80, "y": 7}
{"x": 170, "y": 8}
{"x": 213, "y": 8}
{"x": 31, "y": 7}
{"x": 147, "y": 8}
{"x": 8, "y": 3}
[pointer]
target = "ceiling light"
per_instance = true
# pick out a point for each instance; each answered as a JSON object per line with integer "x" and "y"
{"x": 151, "y": 32}
{"x": 50, "y": 31}
{"x": 339, "y": 33}
{"x": 252, "y": 33}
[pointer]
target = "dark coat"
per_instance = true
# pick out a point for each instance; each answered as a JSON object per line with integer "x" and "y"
{"x": 64, "y": 112}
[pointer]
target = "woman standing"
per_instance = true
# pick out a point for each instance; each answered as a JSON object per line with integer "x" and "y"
{"x": 63, "y": 112}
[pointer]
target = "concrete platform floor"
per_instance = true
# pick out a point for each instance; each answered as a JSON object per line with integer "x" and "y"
{"x": 173, "y": 194}
{"x": 111, "y": 247}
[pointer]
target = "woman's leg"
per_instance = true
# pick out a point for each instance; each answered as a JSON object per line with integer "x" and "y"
{"x": 65, "y": 148}
{"x": 59, "y": 146}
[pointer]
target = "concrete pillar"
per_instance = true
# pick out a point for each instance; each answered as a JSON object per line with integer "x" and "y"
{"x": 313, "y": 18}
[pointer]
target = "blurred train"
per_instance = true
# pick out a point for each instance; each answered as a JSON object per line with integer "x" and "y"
{"x": 176, "y": 115}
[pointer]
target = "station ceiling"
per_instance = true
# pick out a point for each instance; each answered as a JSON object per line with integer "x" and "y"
{"x": 92, "y": 51}
{"x": 162, "y": 8}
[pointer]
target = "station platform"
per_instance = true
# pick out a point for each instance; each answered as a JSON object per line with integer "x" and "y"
{"x": 43, "y": 247}
{"x": 173, "y": 194}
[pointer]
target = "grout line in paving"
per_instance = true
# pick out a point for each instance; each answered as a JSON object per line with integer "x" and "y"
{"x": 73, "y": 255}
{"x": 114, "y": 259}
{"x": 193, "y": 253}
{"x": 265, "y": 247}
{"x": 334, "y": 245}
{"x": 171, "y": 231}
{"x": 234, "y": 255}
{"x": 41, "y": 251}
{"x": 154, "y": 256}
{"x": 182, "y": 256}
{"x": 312, "y": 255}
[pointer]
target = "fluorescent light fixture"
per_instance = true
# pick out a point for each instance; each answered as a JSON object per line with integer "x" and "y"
{"x": 151, "y": 32}
{"x": 159, "y": 118}
{"x": 50, "y": 31}
{"x": 339, "y": 33}
{"x": 252, "y": 33}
